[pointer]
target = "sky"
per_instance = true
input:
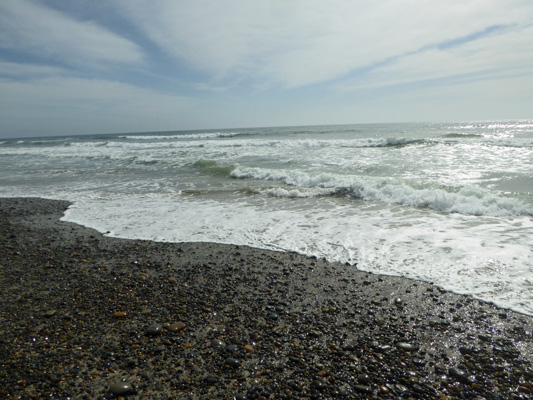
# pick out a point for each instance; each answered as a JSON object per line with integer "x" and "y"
{"x": 89, "y": 67}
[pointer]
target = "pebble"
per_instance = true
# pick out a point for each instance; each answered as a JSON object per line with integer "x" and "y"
{"x": 232, "y": 362}
{"x": 248, "y": 348}
{"x": 406, "y": 346}
{"x": 119, "y": 314}
{"x": 212, "y": 380}
{"x": 319, "y": 384}
{"x": 176, "y": 327}
{"x": 119, "y": 388}
{"x": 457, "y": 373}
{"x": 362, "y": 388}
{"x": 217, "y": 343}
{"x": 337, "y": 350}
{"x": 401, "y": 389}
{"x": 384, "y": 389}
{"x": 231, "y": 348}
{"x": 154, "y": 330}
{"x": 461, "y": 375}
{"x": 466, "y": 350}
{"x": 273, "y": 316}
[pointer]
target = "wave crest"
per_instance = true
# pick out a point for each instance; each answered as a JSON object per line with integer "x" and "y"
{"x": 467, "y": 200}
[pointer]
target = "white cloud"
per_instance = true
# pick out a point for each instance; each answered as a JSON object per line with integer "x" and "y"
{"x": 296, "y": 43}
{"x": 385, "y": 61}
{"x": 32, "y": 28}
{"x": 504, "y": 54}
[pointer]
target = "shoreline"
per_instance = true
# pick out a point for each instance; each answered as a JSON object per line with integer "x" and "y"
{"x": 206, "y": 320}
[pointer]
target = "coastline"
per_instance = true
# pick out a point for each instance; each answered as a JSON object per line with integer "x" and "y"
{"x": 254, "y": 323}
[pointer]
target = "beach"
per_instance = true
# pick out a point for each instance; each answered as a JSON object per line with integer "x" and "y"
{"x": 86, "y": 316}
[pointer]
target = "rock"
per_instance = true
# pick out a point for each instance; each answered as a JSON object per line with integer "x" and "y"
{"x": 248, "y": 348}
{"x": 384, "y": 389}
{"x": 319, "y": 384}
{"x": 212, "y": 380}
{"x": 363, "y": 379}
{"x": 232, "y": 362}
{"x": 231, "y": 348}
{"x": 119, "y": 314}
{"x": 154, "y": 330}
{"x": 273, "y": 316}
{"x": 484, "y": 338}
{"x": 406, "y": 346}
{"x": 466, "y": 350}
{"x": 176, "y": 327}
{"x": 456, "y": 373}
{"x": 362, "y": 388}
{"x": 121, "y": 388}
{"x": 254, "y": 337}
{"x": 461, "y": 375}
{"x": 401, "y": 389}
{"x": 349, "y": 346}
{"x": 217, "y": 343}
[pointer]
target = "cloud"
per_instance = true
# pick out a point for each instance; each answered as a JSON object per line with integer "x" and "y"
{"x": 296, "y": 43}
{"x": 30, "y": 28}
{"x": 505, "y": 53}
{"x": 137, "y": 65}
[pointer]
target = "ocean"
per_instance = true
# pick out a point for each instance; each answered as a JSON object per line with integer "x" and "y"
{"x": 448, "y": 203}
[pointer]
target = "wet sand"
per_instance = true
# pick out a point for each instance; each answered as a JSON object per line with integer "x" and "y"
{"x": 84, "y": 316}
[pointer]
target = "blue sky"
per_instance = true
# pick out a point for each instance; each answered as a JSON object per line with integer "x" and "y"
{"x": 83, "y": 67}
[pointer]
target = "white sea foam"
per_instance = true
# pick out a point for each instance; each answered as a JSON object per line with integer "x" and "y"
{"x": 455, "y": 251}
{"x": 468, "y": 200}
{"x": 446, "y": 203}
{"x": 296, "y": 192}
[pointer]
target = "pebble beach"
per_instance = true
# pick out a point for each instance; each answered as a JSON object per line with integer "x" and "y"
{"x": 86, "y": 316}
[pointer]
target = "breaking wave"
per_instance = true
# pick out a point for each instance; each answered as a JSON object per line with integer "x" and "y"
{"x": 466, "y": 200}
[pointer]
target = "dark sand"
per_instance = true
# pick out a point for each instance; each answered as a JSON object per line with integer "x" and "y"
{"x": 257, "y": 324}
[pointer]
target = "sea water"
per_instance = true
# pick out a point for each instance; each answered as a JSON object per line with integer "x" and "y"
{"x": 448, "y": 203}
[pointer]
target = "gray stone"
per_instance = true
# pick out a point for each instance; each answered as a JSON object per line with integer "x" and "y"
{"x": 232, "y": 362}
{"x": 119, "y": 388}
{"x": 406, "y": 346}
{"x": 154, "y": 330}
{"x": 362, "y": 388}
{"x": 217, "y": 343}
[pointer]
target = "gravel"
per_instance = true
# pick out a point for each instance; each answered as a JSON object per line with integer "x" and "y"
{"x": 84, "y": 316}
